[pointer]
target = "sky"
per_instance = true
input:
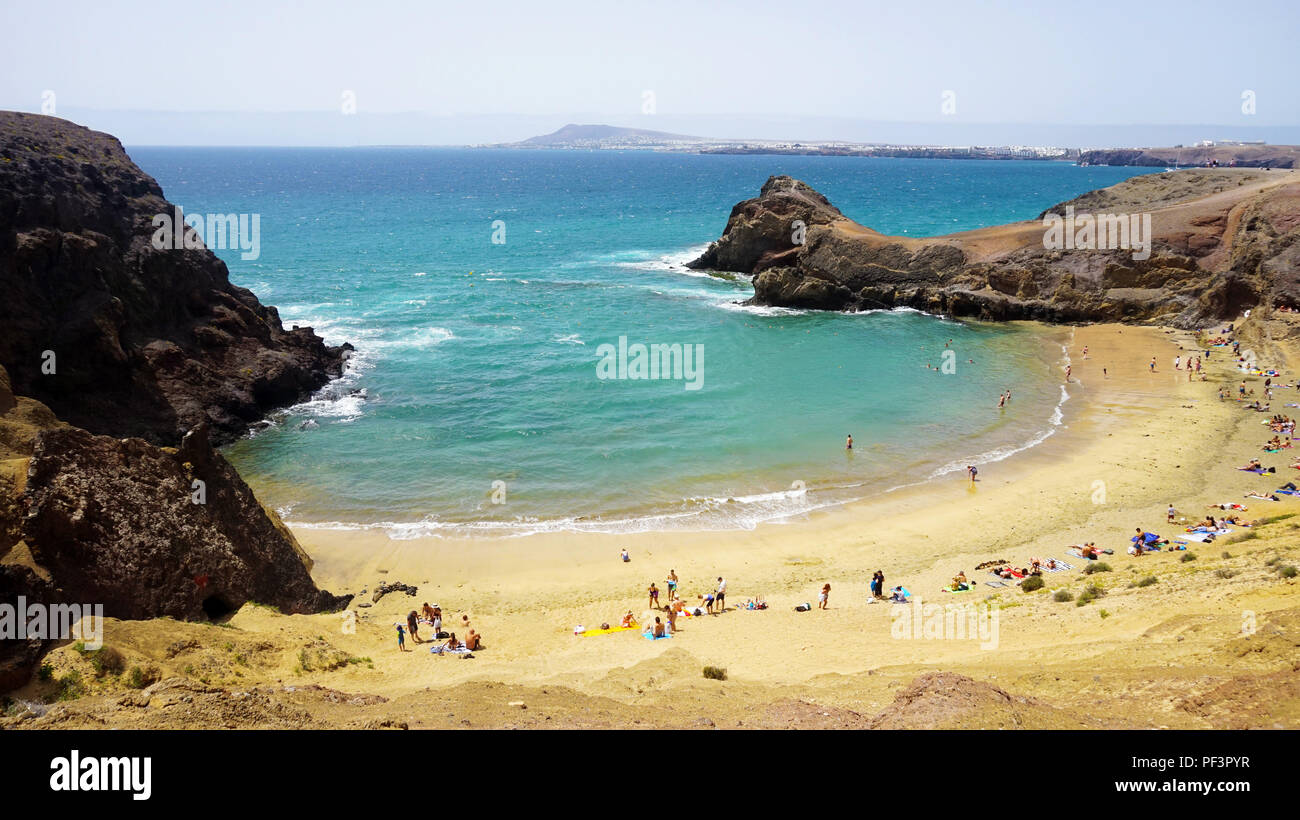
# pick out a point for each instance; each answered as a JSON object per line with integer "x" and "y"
{"x": 275, "y": 72}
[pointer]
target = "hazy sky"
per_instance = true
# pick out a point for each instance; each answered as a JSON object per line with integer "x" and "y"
{"x": 1094, "y": 63}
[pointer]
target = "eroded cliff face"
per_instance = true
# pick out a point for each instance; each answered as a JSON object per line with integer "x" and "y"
{"x": 1220, "y": 241}
{"x": 112, "y": 334}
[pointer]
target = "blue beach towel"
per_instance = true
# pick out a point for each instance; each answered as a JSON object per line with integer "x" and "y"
{"x": 650, "y": 637}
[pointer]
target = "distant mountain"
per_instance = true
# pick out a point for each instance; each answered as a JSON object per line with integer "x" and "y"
{"x": 601, "y": 136}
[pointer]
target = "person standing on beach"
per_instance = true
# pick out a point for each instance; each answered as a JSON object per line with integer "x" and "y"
{"x": 413, "y": 625}
{"x": 824, "y": 597}
{"x": 672, "y": 583}
{"x": 849, "y": 445}
{"x": 973, "y": 471}
{"x": 654, "y": 595}
{"x": 437, "y": 620}
{"x": 1068, "y": 369}
{"x": 401, "y": 639}
{"x": 721, "y": 596}
{"x": 1104, "y": 374}
{"x": 1153, "y": 364}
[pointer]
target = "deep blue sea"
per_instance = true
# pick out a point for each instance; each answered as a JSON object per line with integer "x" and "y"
{"x": 484, "y": 409}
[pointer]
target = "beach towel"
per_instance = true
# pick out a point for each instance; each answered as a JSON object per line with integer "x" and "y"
{"x": 1204, "y": 536}
{"x": 590, "y": 632}
{"x": 1257, "y": 472}
{"x": 442, "y": 650}
{"x": 955, "y": 591}
{"x": 994, "y": 584}
{"x": 1287, "y": 492}
{"x": 650, "y": 637}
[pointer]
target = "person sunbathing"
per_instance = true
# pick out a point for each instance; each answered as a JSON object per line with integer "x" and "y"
{"x": 473, "y": 641}
{"x": 1253, "y": 465}
{"x": 451, "y": 644}
{"x": 1254, "y": 494}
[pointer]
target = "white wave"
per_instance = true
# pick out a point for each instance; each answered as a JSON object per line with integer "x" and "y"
{"x": 674, "y": 262}
{"x": 571, "y": 339}
{"x": 760, "y": 310}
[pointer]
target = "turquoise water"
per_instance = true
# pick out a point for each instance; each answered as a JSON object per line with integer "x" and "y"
{"x": 483, "y": 408}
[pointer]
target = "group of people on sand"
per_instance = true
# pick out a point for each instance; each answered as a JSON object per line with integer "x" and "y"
{"x": 432, "y": 617}
{"x": 1193, "y": 365}
{"x": 710, "y": 603}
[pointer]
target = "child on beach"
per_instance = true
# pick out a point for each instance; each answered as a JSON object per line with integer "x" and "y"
{"x": 624, "y": 555}
{"x": 401, "y": 639}
{"x": 822, "y": 598}
{"x": 1172, "y": 512}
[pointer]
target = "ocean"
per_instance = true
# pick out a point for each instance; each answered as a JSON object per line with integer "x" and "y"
{"x": 489, "y": 294}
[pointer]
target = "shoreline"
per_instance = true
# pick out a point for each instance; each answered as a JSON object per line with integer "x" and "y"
{"x": 324, "y": 543}
{"x": 653, "y": 519}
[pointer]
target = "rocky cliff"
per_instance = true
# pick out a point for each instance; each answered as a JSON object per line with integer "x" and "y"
{"x": 111, "y": 333}
{"x": 141, "y": 347}
{"x": 1220, "y": 240}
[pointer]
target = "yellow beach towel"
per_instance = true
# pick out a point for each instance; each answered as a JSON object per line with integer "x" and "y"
{"x": 609, "y": 631}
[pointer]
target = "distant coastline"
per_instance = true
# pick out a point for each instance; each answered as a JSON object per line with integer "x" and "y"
{"x": 1224, "y": 153}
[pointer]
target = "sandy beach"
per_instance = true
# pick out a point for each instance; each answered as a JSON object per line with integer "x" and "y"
{"x": 1132, "y": 443}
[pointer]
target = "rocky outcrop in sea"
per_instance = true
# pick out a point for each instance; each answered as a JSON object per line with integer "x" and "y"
{"x": 1220, "y": 241}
